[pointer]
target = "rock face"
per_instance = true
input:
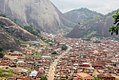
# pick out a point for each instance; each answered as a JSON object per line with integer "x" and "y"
{"x": 41, "y": 14}
{"x": 93, "y": 27}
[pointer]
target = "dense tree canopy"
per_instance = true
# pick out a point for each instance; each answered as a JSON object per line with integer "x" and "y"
{"x": 1, "y": 49}
{"x": 115, "y": 28}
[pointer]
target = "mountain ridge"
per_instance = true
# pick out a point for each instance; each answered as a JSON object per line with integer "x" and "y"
{"x": 93, "y": 28}
{"x": 81, "y": 15}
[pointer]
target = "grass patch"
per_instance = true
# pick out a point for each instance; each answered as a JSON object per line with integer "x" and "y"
{"x": 6, "y": 73}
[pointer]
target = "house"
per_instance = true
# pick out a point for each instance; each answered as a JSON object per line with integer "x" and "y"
{"x": 20, "y": 70}
{"x": 84, "y": 76}
{"x": 35, "y": 43}
{"x": 26, "y": 51}
{"x": 106, "y": 77}
{"x": 36, "y": 74}
{"x": 33, "y": 73}
{"x": 19, "y": 78}
{"x": 46, "y": 57}
{"x": 115, "y": 59}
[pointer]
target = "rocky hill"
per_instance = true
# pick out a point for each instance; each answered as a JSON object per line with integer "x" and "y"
{"x": 41, "y": 14}
{"x": 7, "y": 41}
{"x": 10, "y": 33}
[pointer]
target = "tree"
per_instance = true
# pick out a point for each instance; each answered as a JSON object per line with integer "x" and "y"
{"x": 115, "y": 28}
{"x": 54, "y": 52}
{"x": 31, "y": 30}
{"x": 1, "y": 49}
{"x": 12, "y": 50}
{"x": 44, "y": 78}
{"x": 1, "y": 55}
{"x": 96, "y": 78}
{"x": 64, "y": 47}
{"x": 71, "y": 79}
{"x": 3, "y": 15}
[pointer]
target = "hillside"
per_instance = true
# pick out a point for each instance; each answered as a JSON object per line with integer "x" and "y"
{"x": 93, "y": 28}
{"x": 82, "y": 15}
{"x": 10, "y": 33}
{"x": 7, "y": 41}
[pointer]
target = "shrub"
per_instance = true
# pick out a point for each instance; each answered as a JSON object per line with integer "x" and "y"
{"x": 31, "y": 30}
{"x": 64, "y": 47}
{"x": 44, "y": 78}
{"x": 1, "y": 49}
{"x": 54, "y": 52}
{"x": 1, "y": 55}
{"x": 3, "y": 15}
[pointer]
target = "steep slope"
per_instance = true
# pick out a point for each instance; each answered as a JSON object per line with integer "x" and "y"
{"x": 82, "y": 15}
{"x": 41, "y": 14}
{"x": 15, "y": 30}
{"x": 10, "y": 33}
{"x": 94, "y": 28}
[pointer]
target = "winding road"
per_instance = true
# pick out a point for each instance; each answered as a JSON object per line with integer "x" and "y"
{"x": 51, "y": 73}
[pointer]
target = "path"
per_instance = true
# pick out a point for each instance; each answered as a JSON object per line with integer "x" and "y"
{"x": 51, "y": 72}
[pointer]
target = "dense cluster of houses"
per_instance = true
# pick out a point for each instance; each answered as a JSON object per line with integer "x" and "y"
{"x": 23, "y": 67}
{"x": 25, "y": 64}
{"x": 89, "y": 60}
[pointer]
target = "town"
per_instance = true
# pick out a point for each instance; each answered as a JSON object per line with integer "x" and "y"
{"x": 62, "y": 58}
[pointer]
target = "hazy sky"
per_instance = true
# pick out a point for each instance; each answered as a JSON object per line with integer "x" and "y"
{"x": 102, "y": 6}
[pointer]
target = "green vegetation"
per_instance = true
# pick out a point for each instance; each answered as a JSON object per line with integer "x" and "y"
{"x": 54, "y": 52}
{"x": 43, "y": 78}
{"x": 1, "y": 55}
{"x": 12, "y": 50}
{"x": 3, "y": 15}
{"x": 96, "y": 78}
{"x": 117, "y": 79}
{"x": 90, "y": 34}
{"x": 17, "y": 21}
{"x": 31, "y": 30}
{"x": 115, "y": 28}
{"x": 64, "y": 47}
{"x": 34, "y": 55}
{"x": 1, "y": 49}
{"x": 71, "y": 79}
{"x": 2, "y": 24}
{"x": 97, "y": 41}
{"x": 5, "y": 73}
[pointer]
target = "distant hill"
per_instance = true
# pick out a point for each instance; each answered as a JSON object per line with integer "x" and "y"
{"x": 82, "y": 15}
{"x": 97, "y": 26}
{"x": 10, "y": 33}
